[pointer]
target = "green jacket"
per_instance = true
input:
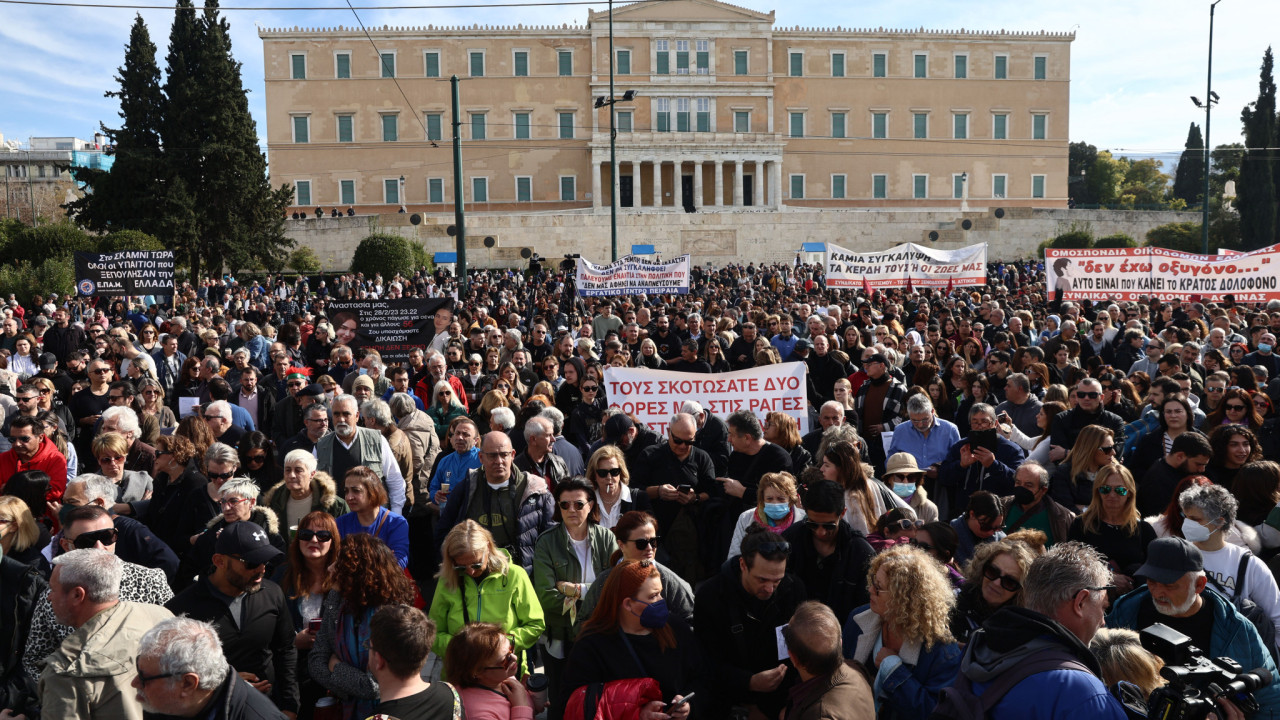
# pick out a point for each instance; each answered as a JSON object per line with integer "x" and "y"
{"x": 555, "y": 561}
{"x": 507, "y": 600}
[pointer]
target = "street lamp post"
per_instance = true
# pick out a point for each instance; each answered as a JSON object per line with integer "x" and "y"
{"x": 628, "y": 96}
{"x": 1210, "y": 99}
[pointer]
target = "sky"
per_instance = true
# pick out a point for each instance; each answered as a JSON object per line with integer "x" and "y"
{"x": 1135, "y": 63}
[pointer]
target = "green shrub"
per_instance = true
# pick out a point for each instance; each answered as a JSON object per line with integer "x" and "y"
{"x": 36, "y": 244}
{"x": 385, "y": 254}
{"x": 123, "y": 240}
{"x": 26, "y": 280}
{"x": 1118, "y": 240}
{"x": 1183, "y": 237}
{"x": 304, "y": 261}
{"x": 421, "y": 258}
{"x": 1072, "y": 240}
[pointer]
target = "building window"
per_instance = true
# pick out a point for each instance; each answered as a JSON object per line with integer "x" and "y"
{"x": 342, "y": 65}
{"x": 564, "y": 60}
{"x": 682, "y": 114}
{"x": 879, "y": 186}
{"x": 998, "y": 185}
{"x": 388, "y": 65}
{"x": 520, "y": 63}
{"x": 879, "y": 64}
{"x": 566, "y": 125}
{"x": 390, "y": 128}
{"x": 962, "y": 66}
{"x": 797, "y": 187}
{"x": 704, "y": 114}
{"x": 662, "y": 114}
{"x": 739, "y": 62}
{"x": 1000, "y": 126}
{"x": 1037, "y": 186}
{"x": 623, "y": 121}
{"x": 797, "y": 124}
{"x": 837, "y": 64}
{"x": 838, "y": 124}
{"x": 524, "y": 189}
{"x": 479, "y": 189}
{"x": 1038, "y": 126}
{"x": 1002, "y": 67}
{"x": 568, "y": 188}
{"x": 921, "y": 65}
{"x": 477, "y": 63}
{"x": 1042, "y": 67}
{"x": 298, "y": 64}
{"x": 741, "y": 121}
{"x": 347, "y": 192}
{"x": 435, "y": 123}
{"x": 301, "y": 129}
{"x": 346, "y": 132}
{"x": 703, "y": 57}
{"x": 960, "y": 123}
{"x": 920, "y": 126}
{"x": 431, "y": 63}
{"x": 478, "y": 126}
{"x": 435, "y": 190}
{"x": 662, "y": 57}
{"x": 624, "y": 62}
{"x": 302, "y": 192}
{"x": 879, "y": 125}
{"x": 391, "y": 191}
{"x": 920, "y": 186}
{"x": 522, "y": 125}
{"x": 682, "y": 57}
{"x": 796, "y": 68}
{"x": 837, "y": 187}
{"x": 957, "y": 186}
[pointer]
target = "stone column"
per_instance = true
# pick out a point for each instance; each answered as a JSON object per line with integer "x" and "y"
{"x": 657, "y": 183}
{"x": 737, "y": 183}
{"x": 719, "y": 201}
{"x": 597, "y": 181}
{"x": 697, "y": 184}
{"x": 775, "y": 184}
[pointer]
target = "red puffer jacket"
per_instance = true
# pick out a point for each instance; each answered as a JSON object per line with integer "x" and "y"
{"x": 614, "y": 700}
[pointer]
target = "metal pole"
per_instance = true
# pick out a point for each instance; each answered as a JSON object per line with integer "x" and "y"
{"x": 31, "y": 193}
{"x": 1208, "y": 153}
{"x": 613, "y": 152}
{"x": 459, "y": 219}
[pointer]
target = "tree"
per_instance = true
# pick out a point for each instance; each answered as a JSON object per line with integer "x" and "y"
{"x": 1144, "y": 182}
{"x": 304, "y": 261}
{"x": 1184, "y": 237}
{"x": 1104, "y": 176}
{"x": 383, "y": 254}
{"x": 1188, "y": 179}
{"x": 1072, "y": 240}
{"x": 1118, "y": 240}
{"x": 122, "y": 240}
{"x": 1256, "y": 191}
{"x": 1080, "y": 157}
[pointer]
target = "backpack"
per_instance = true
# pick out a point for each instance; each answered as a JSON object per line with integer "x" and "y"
{"x": 959, "y": 702}
{"x": 1135, "y": 431}
{"x": 1248, "y": 608}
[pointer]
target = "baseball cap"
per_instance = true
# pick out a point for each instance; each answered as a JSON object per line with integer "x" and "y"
{"x": 616, "y": 426}
{"x": 247, "y": 541}
{"x": 803, "y": 344}
{"x": 878, "y": 357}
{"x": 1168, "y": 559}
{"x": 48, "y": 361}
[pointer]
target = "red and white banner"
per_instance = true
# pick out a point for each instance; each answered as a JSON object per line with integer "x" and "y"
{"x": 1130, "y": 273}
{"x": 906, "y": 265}
{"x": 653, "y": 396}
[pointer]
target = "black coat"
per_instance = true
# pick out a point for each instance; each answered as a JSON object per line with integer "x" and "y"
{"x": 235, "y": 700}
{"x": 841, "y": 582}
{"x": 713, "y": 438}
{"x": 21, "y": 587}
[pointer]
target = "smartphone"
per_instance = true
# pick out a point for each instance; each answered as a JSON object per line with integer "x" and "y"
{"x": 673, "y": 705}
{"x": 314, "y": 624}
{"x": 685, "y": 488}
{"x": 1005, "y": 419}
{"x": 983, "y": 439}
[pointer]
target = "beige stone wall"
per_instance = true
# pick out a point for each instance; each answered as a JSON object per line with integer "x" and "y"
{"x": 722, "y": 238}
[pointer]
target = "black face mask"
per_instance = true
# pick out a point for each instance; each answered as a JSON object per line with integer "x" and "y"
{"x": 1023, "y": 496}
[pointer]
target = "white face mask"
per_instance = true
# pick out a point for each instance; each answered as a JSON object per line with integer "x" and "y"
{"x": 1194, "y": 531}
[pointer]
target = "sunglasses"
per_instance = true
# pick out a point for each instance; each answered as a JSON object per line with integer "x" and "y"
{"x": 1088, "y": 395}
{"x": 922, "y": 545}
{"x": 589, "y": 388}
{"x": 572, "y": 504}
{"x": 87, "y": 540}
{"x": 1120, "y": 490}
{"x": 1234, "y": 407}
{"x": 1108, "y": 449}
{"x": 320, "y": 535}
{"x": 905, "y": 524}
{"x": 474, "y": 567}
{"x": 1008, "y": 582}
{"x": 1214, "y": 390}
{"x": 247, "y": 565}
{"x": 828, "y": 526}
{"x": 680, "y": 441}
{"x": 610, "y": 472}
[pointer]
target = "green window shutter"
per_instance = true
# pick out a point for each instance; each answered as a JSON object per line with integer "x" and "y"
{"x": 797, "y": 187}
{"x": 997, "y": 186}
{"x": 957, "y": 187}
{"x": 922, "y": 66}
{"x": 1002, "y": 67}
{"x": 524, "y": 189}
{"x": 920, "y": 122}
{"x": 1041, "y": 67}
{"x": 565, "y": 59}
{"x": 566, "y": 126}
{"x": 433, "y": 64}
{"x": 703, "y": 60}
{"x": 522, "y": 126}
{"x": 347, "y": 192}
{"x": 741, "y": 122}
{"x": 962, "y": 67}
{"x": 1000, "y": 128}
{"x": 837, "y": 125}
{"x": 477, "y": 126}
{"x": 837, "y": 64}
{"x": 388, "y": 65}
{"x": 624, "y": 122}
{"x": 1037, "y": 186}
{"x": 961, "y": 127}
{"x": 568, "y": 193}
{"x": 522, "y": 64}
{"x": 1038, "y": 123}
{"x": 704, "y": 122}
{"x": 345, "y": 133}
{"x": 299, "y": 63}
{"x": 391, "y": 191}
{"x": 879, "y": 125}
{"x": 739, "y": 62}
{"x": 797, "y": 125}
{"x": 682, "y": 61}
{"x": 879, "y": 187}
{"x": 664, "y": 122}
{"x": 682, "y": 121}
{"x": 480, "y": 190}
{"x": 664, "y": 63}
{"x": 301, "y": 129}
{"x": 921, "y": 186}
{"x": 435, "y": 190}
{"x": 624, "y": 62}
{"x": 390, "y": 128}
{"x": 477, "y": 64}
{"x": 879, "y": 65}
{"x": 302, "y": 192}
{"x": 434, "y": 126}
{"x": 837, "y": 187}
{"x": 344, "y": 66}
{"x": 797, "y": 65}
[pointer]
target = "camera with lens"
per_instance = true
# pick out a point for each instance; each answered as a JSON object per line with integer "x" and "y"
{"x": 1196, "y": 681}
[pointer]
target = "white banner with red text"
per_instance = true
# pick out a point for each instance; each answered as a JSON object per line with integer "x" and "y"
{"x": 653, "y": 396}
{"x": 1130, "y": 273}
{"x": 907, "y": 265}
{"x": 633, "y": 275}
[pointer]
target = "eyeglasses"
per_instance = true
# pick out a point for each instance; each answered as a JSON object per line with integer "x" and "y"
{"x": 473, "y": 567}
{"x": 247, "y": 565}
{"x": 212, "y": 417}
{"x": 608, "y": 472}
{"x": 231, "y": 501}
{"x": 572, "y": 504}
{"x": 905, "y": 524}
{"x": 590, "y": 388}
{"x": 646, "y": 543}
{"x": 257, "y": 458}
{"x": 1088, "y": 395}
{"x": 101, "y": 371}
{"x": 1233, "y": 407}
{"x": 1108, "y": 449}
{"x": 308, "y": 535}
{"x": 986, "y": 524}
{"x": 507, "y": 662}
{"x": 21, "y": 439}
{"x": 1120, "y": 490}
{"x": 144, "y": 679}
{"x": 1008, "y": 582}
{"x": 108, "y": 459}
{"x": 87, "y": 540}
{"x": 1214, "y": 390}
{"x": 681, "y": 441}
{"x": 922, "y": 545}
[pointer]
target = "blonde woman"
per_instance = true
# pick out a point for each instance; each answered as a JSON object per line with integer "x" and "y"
{"x": 902, "y": 637}
{"x": 21, "y": 537}
{"x": 1113, "y": 525}
{"x": 777, "y": 508}
{"x": 993, "y": 580}
{"x": 1072, "y": 484}
{"x": 1122, "y": 657}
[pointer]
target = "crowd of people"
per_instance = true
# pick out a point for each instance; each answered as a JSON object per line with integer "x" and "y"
{"x": 224, "y": 504}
